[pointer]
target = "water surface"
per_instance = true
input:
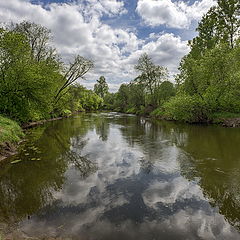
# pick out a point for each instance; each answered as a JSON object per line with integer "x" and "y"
{"x": 114, "y": 176}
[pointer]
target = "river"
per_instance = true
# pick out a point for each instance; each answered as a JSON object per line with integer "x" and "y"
{"x": 115, "y": 176}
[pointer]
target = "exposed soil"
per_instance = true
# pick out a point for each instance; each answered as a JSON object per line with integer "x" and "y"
{"x": 7, "y": 150}
{"x": 231, "y": 122}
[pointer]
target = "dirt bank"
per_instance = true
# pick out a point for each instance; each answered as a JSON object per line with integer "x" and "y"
{"x": 231, "y": 122}
{"x": 7, "y": 150}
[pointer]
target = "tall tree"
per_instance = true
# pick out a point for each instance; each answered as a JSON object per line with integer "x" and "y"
{"x": 221, "y": 24}
{"x": 74, "y": 71}
{"x": 26, "y": 86}
{"x": 101, "y": 87}
{"x": 151, "y": 75}
{"x": 39, "y": 38}
{"x": 228, "y": 12}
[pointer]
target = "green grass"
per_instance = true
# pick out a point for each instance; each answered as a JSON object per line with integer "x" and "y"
{"x": 225, "y": 115}
{"x": 10, "y": 131}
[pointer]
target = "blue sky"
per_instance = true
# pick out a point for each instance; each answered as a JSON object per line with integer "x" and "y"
{"x": 114, "y": 33}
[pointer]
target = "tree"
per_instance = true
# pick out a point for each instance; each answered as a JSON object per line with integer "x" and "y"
{"x": 221, "y": 24}
{"x": 74, "y": 71}
{"x": 101, "y": 87}
{"x": 122, "y": 98}
{"x": 151, "y": 75}
{"x": 26, "y": 86}
{"x": 38, "y": 38}
{"x": 228, "y": 12}
{"x": 165, "y": 92}
{"x": 137, "y": 95}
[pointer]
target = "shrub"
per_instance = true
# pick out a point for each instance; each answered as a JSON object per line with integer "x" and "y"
{"x": 158, "y": 112}
{"x": 186, "y": 108}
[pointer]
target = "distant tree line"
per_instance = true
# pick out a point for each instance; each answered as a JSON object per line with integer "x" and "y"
{"x": 208, "y": 85}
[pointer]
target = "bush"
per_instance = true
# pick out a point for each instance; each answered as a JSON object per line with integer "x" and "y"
{"x": 158, "y": 112}
{"x": 186, "y": 108}
{"x": 131, "y": 110}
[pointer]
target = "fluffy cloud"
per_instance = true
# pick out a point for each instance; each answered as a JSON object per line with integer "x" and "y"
{"x": 109, "y": 7}
{"x": 165, "y": 50}
{"x": 172, "y": 14}
{"x": 78, "y": 28}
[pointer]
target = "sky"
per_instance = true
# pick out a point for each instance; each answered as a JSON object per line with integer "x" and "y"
{"x": 114, "y": 33}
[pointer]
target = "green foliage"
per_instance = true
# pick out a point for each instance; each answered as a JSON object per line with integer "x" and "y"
{"x": 90, "y": 101}
{"x": 134, "y": 98}
{"x": 27, "y": 86}
{"x": 209, "y": 79}
{"x": 78, "y": 99}
{"x": 186, "y": 108}
{"x": 34, "y": 83}
{"x": 158, "y": 112}
{"x": 151, "y": 77}
{"x": 101, "y": 87}
{"x": 147, "y": 91}
{"x": 10, "y": 131}
{"x": 131, "y": 110}
{"x": 165, "y": 91}
{"x": 109, "y": 101}
{"x": 122, "y": 98}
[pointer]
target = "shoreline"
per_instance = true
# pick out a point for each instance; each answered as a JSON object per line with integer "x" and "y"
{"x": 224, "y": 122}
{"x": 8, "y": 149}
{"x": 41, "y": 122}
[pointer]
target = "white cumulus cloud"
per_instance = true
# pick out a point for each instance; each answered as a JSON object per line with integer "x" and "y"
{"x": 172, "y": 14}
{"x": 78, "y": 28}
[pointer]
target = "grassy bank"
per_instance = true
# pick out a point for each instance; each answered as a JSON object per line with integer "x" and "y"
{"x": 226, "y": 119}
{"x": 10, "y": 131}
{"x": 10, "y": 134}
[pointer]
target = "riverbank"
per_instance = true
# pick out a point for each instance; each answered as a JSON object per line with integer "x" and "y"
{"x": 37, "y": 123}
{"x": 229, "y": 120}
{"x": 10, "y": 135}
{"x": 224, "y": 122}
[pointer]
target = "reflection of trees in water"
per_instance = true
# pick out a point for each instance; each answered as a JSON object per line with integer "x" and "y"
{"x": 73, "y": 156}
{"x": 152, "y": 138}
{"x": 102, "y": 128}
{"x": 28, "y": 186}
{"x": 212, "y": 155}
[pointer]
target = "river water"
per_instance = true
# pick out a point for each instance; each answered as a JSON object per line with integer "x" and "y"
{"x": 114, "y": 176}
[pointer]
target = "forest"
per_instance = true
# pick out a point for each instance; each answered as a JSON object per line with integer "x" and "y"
{"x": 36, "y": 84}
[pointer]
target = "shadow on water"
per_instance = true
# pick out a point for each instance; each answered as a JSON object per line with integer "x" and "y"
{"x": 116, "y": 176}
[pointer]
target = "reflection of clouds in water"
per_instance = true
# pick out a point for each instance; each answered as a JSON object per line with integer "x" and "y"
{"x": 185, "y": 224}
{"x": 121, "y": 201}
{"x": 200, "y": 224}
{"x": 75, "y": 190}
{"x": 168, "y": 192}
{"x": 167, "y": 160}
{"x": 114, "y": 159}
